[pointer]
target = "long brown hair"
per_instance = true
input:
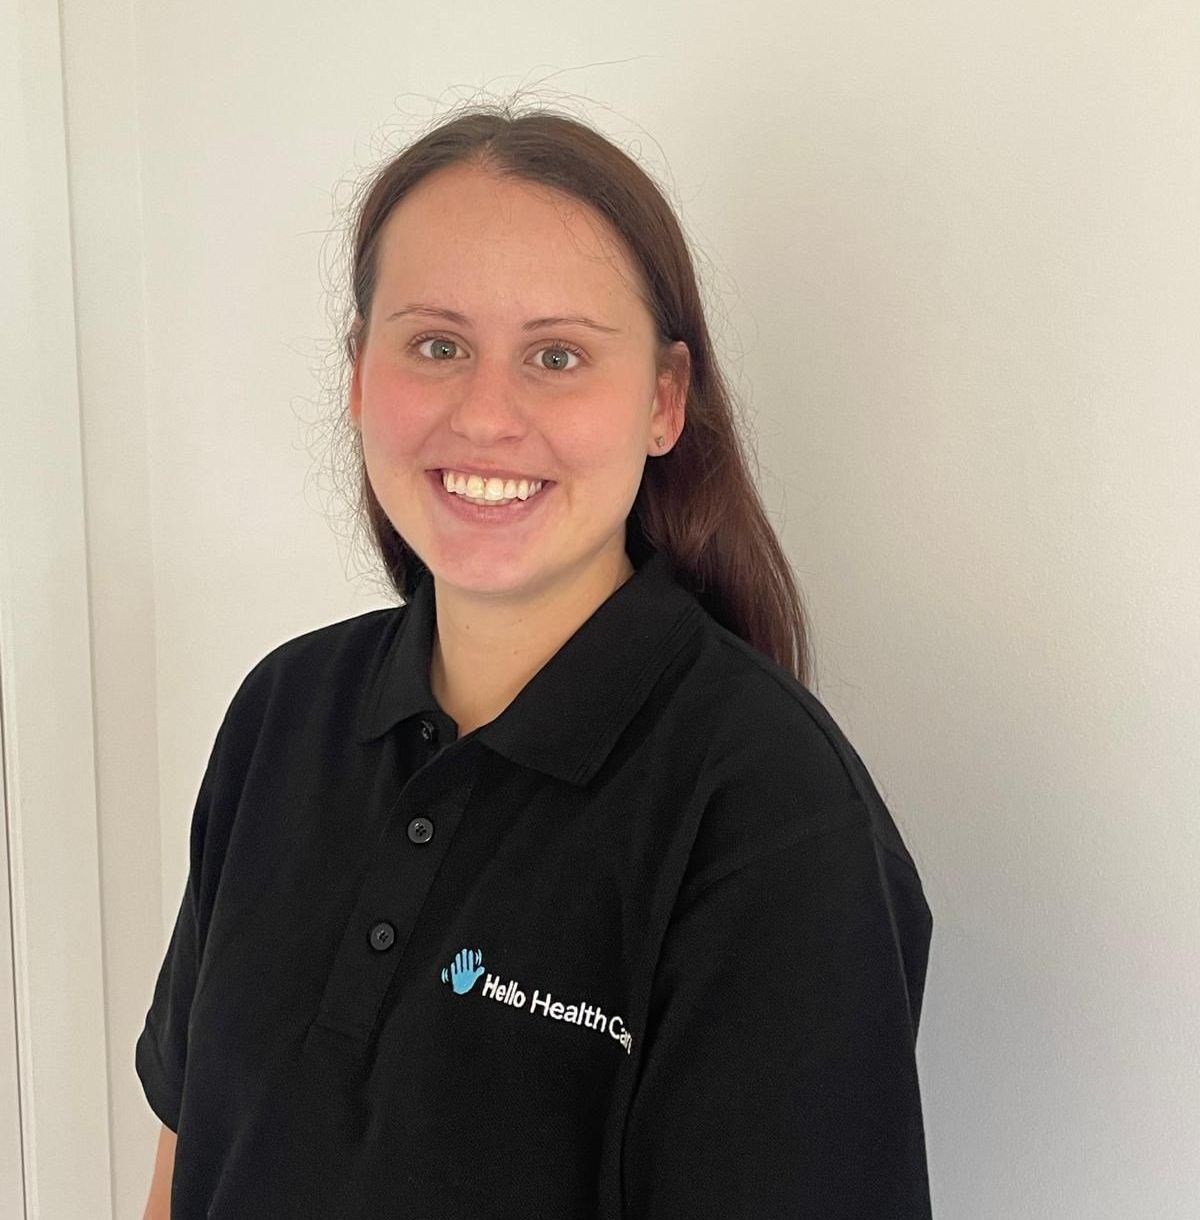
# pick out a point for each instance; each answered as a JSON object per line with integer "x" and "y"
{"x": 698, "y": 502}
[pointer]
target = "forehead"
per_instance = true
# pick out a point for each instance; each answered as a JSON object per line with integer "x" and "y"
{"x": 468, "y": 232}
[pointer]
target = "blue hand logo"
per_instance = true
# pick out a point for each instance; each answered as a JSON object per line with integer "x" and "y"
{"x": 464, "y": 971}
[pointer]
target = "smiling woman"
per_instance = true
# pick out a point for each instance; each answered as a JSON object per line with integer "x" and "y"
{"x": 503, "y": 389}
{"x": 578, "y": 773}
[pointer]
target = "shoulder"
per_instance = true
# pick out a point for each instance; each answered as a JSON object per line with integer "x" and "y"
{"x": 275, "y": 716}
{"x": 777, "y": 766}
{"x": 326, "y": 664}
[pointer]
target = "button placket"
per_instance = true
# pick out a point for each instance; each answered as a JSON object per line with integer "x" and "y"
{"x": 396, "y": 883}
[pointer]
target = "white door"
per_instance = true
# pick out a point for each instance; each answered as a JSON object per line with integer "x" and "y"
{"x": 55, "y": 1158}
{"x": 12, "y": 1172}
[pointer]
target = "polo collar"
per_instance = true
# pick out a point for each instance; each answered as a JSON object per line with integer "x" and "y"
{"x": 568, "y": 717}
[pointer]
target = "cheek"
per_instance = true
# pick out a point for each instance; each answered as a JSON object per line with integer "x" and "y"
{"x": 395, "y": 413}
{"x": 602, "y": 430}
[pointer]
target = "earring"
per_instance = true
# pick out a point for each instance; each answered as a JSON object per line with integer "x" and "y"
{"x": 659, "y": 439}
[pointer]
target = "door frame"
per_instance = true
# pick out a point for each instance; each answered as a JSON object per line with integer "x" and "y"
{"x": 47, "y": 766}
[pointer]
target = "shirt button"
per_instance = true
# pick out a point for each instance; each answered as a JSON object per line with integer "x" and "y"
{"x": 420, "y": 830}
{"x": 428, "y": 730}
{"x": 383, "y": 936}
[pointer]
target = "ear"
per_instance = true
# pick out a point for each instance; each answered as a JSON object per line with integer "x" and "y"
{"x": 356, "y": 396}
{"x": 670, "y": 398}
{"x": 356, "y": 377}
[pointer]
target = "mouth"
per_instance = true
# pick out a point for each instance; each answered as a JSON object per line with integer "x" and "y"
{"x": 510, "y": 513}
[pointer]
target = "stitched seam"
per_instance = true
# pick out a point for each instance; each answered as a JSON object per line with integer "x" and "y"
{"x": 806, "y": 836}
{"x": 737, "y": 644}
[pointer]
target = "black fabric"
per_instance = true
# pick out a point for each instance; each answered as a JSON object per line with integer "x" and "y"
{"x": 647, "y": 945}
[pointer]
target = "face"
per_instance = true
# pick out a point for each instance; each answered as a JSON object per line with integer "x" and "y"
{"x": 497, "y": 387}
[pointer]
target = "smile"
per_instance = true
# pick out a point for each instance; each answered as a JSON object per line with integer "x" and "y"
{"x": 490, "y": 490}
{"x": 496, "y": 512}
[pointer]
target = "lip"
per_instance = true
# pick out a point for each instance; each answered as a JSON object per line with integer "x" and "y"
{"x": 493, "y": 474}
{"x": 498, "y": 514}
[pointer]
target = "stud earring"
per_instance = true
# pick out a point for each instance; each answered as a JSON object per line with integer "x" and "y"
{"x": 659, "y": 439}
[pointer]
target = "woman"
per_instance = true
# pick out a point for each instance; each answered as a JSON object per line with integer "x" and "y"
{"x": 554, "y": 891}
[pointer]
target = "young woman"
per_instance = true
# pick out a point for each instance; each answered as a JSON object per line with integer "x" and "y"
{"x": 553, "y": 891}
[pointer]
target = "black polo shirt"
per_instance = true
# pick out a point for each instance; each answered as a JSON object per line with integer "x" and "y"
{"x": 648, "y": 944}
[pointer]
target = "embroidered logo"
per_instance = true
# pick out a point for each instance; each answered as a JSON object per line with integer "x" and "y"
{"x": 464, "y": 970}
{"x": 463, "y": 973}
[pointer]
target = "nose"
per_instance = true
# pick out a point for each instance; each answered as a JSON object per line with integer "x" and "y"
{"x": 488, "y": 407}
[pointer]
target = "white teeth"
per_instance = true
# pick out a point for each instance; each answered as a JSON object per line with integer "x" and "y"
{"x": 473, "y": 487}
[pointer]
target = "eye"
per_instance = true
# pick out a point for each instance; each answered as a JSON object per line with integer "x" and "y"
{"x": 562, "y": 349}
{"x": 441, "y": 343}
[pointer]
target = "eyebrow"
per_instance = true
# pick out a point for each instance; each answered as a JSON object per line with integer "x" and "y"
{"x": 533, "y": 324}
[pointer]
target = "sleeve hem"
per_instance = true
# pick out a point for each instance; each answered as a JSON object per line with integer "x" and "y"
{"x": 161, "y": 1094}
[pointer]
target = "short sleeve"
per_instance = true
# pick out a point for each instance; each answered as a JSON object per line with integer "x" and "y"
{"x": 161, "y": 1052}
{"x": 780, "y": 1076}
{"x": 160, "y": 1055}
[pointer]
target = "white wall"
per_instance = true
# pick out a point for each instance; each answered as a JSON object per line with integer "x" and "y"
{"x": 953, "y": 252}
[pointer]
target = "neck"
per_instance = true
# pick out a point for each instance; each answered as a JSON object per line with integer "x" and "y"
{"x": 486, "y": 649}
